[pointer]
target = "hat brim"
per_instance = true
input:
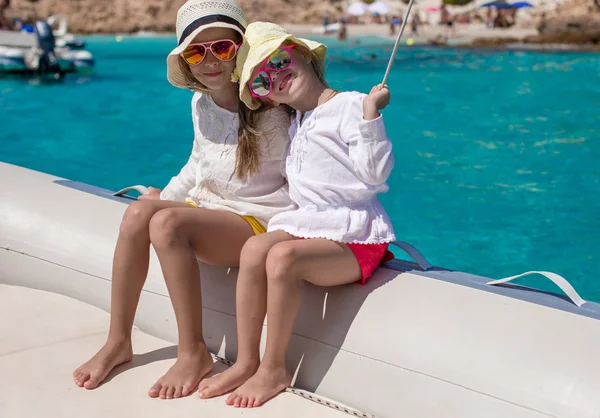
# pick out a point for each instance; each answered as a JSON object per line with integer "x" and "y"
{"x": 249, "y": 60}
{"x": 174, "y": 73}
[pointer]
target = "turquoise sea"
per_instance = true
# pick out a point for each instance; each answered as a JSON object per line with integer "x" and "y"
{"x": 497, "y": 152}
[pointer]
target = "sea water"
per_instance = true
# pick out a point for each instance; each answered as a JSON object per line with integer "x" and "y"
{"x": 497, "y": 152}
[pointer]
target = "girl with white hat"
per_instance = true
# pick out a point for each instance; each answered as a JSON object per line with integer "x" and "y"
{"x": 339, "y": 160}
{"x": 232, "y": 184}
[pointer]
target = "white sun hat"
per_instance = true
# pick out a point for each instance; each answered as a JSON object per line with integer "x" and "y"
{"x": 194, "y": 17}
{"x": 261, "y": 40}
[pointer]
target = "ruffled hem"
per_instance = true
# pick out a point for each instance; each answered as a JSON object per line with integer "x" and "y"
{"x": 387, "y": 240}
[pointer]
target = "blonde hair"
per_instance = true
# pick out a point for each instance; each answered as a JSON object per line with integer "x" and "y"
{"x": 317, "y": 63}
{"x": 247, "y": 153}
{"x": 192, "y": 82}
{"x": 248, "y": 148}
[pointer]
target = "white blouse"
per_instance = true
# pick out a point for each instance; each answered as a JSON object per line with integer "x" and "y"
{"x": 209, "y": 178}
{"x": 337, "y": 164}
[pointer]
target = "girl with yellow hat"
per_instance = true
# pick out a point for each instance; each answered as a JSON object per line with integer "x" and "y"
{"x": 230, "y": 187}
{"x": 339, "y": 160}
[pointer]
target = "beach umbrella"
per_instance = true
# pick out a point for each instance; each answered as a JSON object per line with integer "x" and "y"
{"x": 357, "y": 9}
{"x": 379, "y": 7}
{"x": 497, "y": 5}
{"x": 521, "y": 5}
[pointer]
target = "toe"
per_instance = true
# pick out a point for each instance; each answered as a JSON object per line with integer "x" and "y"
{"x": 163, "y": 392}
{"x": 155, "y": 390}
{"x": 170, "y": 392}
{"x": 92, "y": 383}
{"x": 178, "y": 391}
{"x": 206, "y": 393}
{"x": 256, "y": 403}
{"x": 251, "y": 401}
{"x": 83, "y": 377}
{"x": 244, "y": 402}
{"x": 202, "y": 386}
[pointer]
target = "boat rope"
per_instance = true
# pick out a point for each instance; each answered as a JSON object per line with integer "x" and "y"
{"x": 322, "y": 400}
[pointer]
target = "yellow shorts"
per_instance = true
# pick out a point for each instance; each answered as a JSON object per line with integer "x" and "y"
{"x": 256, "y": 226}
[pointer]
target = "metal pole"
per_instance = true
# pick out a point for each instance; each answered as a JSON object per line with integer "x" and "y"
{"x": 389, "y": 67}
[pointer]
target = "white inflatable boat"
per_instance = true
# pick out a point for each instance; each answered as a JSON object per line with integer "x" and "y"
{"x": 25, "y": 53}
{"x": 416, "y": 341}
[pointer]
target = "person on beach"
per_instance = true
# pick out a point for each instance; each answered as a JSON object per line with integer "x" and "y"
{"x": 339, "y": 161}
{"x": 232, "y": 184}
{"x": 343, "y": 32}
{"x": 393, "y": 24}
{"x": 415, "y": 23}
{"x": 4, "y": 21}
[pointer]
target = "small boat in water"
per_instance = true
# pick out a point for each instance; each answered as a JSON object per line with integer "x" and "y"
{"x": 416, "y": 341}
{"x": 43, "y": 53}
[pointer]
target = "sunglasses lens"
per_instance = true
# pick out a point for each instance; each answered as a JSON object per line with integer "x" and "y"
{"x": 194, "y": 54}
{"x": 223, "y": 50}
{"x": 279, "y": 60}
{"x": 261, "y": 85}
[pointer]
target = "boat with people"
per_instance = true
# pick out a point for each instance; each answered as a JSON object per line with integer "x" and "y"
{"x": 44, "y": 51}
{"x": 416, "y": 340}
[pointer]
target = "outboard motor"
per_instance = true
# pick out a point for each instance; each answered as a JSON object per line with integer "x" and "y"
{"x": 48, "y": 64}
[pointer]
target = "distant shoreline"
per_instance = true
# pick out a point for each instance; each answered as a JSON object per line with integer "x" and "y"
{"x": 471, "y": 37}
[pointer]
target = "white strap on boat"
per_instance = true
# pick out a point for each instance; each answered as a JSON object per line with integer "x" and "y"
{"x": 138, "y": 188}
{"x": 560, "y": 281}
{"x": 413, "y": 253}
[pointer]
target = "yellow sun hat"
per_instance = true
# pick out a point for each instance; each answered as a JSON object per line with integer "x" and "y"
{"x": 262, "y": 39}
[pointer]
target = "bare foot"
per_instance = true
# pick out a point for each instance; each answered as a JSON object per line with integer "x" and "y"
{"x": 92, "y": 373}
{"x": 230, "y": 379}
{"x": 183, "y": 377}
{"x": 261, "y": 387}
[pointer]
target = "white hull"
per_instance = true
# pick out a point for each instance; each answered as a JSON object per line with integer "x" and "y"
{"x": 18, "y": 54}
{"x": 414, "y": 344}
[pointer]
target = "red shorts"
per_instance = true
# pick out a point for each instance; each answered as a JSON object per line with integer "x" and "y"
{"x": 369, "y": 256}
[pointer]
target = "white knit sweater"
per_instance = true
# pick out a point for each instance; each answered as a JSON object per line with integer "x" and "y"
{"x": 209, "y": 179}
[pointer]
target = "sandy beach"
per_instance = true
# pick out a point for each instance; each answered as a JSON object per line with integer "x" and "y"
{"x": 464, "y": 35}
{"x": 461, "y": 35}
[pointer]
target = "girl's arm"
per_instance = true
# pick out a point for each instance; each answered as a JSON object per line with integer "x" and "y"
{"x": 180, "y": 185}
{"x": 370, "y": 149}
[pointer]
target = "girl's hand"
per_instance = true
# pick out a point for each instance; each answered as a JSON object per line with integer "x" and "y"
{"x": 378, "y": 99}
{"x": 154, "y": 194}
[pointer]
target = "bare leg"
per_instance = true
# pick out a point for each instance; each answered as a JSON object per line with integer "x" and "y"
{"x": 319, "y": 261}
{"x": 180, "y": 236}
{"x": 251, "y": 307}
{"x": 130, "y": 268}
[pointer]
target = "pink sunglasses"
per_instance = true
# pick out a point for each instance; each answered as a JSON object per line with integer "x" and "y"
{"x": 223, "y": 50}
{"x": 261, "y": 85}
